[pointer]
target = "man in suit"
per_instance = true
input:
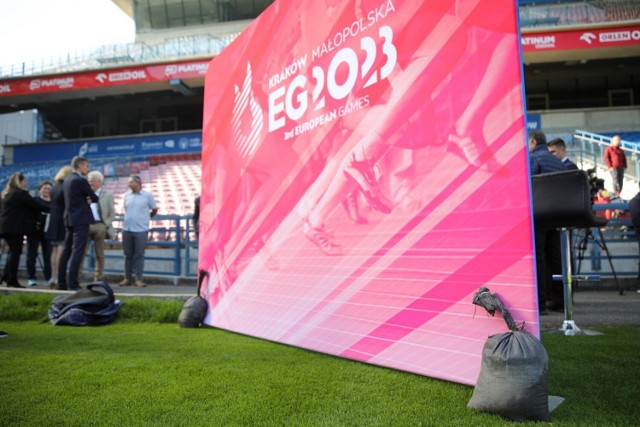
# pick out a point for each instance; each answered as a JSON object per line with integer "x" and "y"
{"x": 558, "y": 148}
{"x": 547, "y": 242}
{"x": 77, "y": 217}
{"x": 101, "y": 228}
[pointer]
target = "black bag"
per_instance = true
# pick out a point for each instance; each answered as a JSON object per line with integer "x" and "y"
{"x": 92, "y": 306}
{"x": 195, "y": 308}
{"x": 514, "y": 376}
{"x": 193, "y": 312}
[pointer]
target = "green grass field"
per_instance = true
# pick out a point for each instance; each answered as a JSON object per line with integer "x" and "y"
{"x": 145, "y": 370}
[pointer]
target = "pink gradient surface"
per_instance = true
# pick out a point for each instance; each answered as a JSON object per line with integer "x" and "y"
{"x": 413, "y": 112}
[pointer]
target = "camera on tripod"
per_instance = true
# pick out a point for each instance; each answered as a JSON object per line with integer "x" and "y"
{"x": 595, "y": 184}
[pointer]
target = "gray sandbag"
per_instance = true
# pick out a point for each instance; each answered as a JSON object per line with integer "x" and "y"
{"x": 514, "y": 375}
{"x": 193, "y": 312}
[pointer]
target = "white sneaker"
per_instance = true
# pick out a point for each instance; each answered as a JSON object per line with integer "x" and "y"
{"x": 32, "y": 282}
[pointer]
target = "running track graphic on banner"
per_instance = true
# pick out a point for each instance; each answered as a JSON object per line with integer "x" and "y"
{"x": 364, "y": 173}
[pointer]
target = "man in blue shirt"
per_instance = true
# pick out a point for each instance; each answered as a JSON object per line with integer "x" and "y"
{"x": 547, "y": 240}
{"x": 139, "y": 207}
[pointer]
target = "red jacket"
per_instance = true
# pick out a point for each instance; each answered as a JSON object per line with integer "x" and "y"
{"x": 615, "y": 158}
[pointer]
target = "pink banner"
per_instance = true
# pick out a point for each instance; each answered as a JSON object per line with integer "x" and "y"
{"x": 103, "y": 78}
{"x": 364, "y": 173}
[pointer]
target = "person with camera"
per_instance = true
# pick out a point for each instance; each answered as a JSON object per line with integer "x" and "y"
{"x": 634, "y": 208}
{"x": 616, "y": 162}
{"x": 547, "y": 240}
{"x": 596, "y": 185}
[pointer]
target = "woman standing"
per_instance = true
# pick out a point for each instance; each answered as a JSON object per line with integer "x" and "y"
{"x": 18, "y": 217}
{"x": 39, "y": 238}
{"x": 56, "y": 231}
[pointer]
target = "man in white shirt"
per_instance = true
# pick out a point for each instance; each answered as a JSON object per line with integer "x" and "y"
{"x": 139, "y": 207}
{"x": 101, "y": 229}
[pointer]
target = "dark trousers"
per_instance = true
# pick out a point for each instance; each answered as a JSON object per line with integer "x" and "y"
{"x": 638, "y": 239}
{"x": 617, "y": 178}
{"x": 133, "y": 245}
{"x": 33, "y": 241}
{"x": 15, "y": 250}
{"x": 74, "y": 243}
{"x": 548, "y": 263}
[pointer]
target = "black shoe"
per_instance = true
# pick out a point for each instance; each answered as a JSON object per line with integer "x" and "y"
{"x": 361, "y": 172}
{"x": 15, "y": 285}
{"x": 3, "y": 334}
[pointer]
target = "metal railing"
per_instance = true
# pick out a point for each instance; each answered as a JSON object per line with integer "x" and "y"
{"x": 619, "y": 239}
{"x": 108, "y": 56}
{"x": 174, "y": 245}
{"x": 172, "y": 251}
{"x": 592, "y": 146}
{"x": 545, "y": 13}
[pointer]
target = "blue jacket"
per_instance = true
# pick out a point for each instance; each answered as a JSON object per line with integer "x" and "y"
{"x": 77, "y": 192}
{"x": 569, "y": 164}
{"x": 542, "y": 161}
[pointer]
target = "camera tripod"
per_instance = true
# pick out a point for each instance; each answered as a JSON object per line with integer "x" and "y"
{"x": 601, "y": 243}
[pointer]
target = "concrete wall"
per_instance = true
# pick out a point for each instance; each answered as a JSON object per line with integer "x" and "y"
{"x": 595, "y": 120}
{"x": 20, "y": 127}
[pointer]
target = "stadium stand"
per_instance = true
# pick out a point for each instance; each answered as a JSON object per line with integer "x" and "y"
{"x": 547, "y": 13}
{"x": 535, "y": 13}
{"x": 621, "y": 10}
{"x": 174, "y": 183}
{"x": 175, "y": 180}
{"x": 161, "y": 170}
{"x": 626, "y": 136}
